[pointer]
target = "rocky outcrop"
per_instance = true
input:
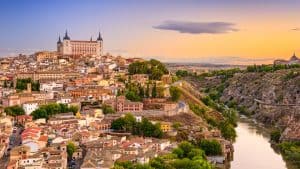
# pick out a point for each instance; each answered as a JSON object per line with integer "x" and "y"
{"x": 272, "y": 98}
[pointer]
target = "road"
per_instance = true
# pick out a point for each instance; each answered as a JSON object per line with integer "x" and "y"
{"x": 15, "y": 140}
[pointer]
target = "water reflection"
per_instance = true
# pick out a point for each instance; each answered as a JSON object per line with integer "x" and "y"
{"x": 253, "y": 150}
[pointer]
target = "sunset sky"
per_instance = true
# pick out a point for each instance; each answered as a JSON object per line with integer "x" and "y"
{"x": 214, "y": 31}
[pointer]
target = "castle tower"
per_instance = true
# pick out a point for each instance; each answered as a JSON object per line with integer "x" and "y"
{"x": 59, "y": 45}
{"x": 100, "y": 42}
{"x": 66, "y": 45}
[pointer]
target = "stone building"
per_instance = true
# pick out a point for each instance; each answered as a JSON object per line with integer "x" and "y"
{"x": 79, "y": 47}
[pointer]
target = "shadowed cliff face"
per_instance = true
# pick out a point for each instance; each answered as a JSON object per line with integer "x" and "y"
{"x": 272, "y": 98}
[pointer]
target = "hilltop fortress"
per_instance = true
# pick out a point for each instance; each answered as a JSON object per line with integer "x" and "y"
{"x": 79, "y": 47}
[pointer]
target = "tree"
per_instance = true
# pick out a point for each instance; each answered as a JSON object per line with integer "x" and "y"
{"x": 131, "y": 95}
{"x": 22, "y": 84}
{"x": 179, "y": 152}
{"x": 144, "y": 128}
{"x": 118, "y": 124}
{"x": 196, "y": 152}
{"x": 275, "y": 136}
{"x": 159, "y": 163}
{"x": 73, "y": 109}
{"x": 107, "y": 109}
{"x": 44, "y": 111}
{"x": 141, "y": 92}
{"x": 210, "y": 147}
{"x": 186, "y": 147}
{"x": 175, "y": 93}
{"x": 227, "y": 130}
{"x": 14, "y": 110}
{"x": 154, "y": 68}
{"x": 39, "y": 113}
{"x": 71, "y": 148}
{"x": 147, "y": 93}
{"x": 154, "y": 92}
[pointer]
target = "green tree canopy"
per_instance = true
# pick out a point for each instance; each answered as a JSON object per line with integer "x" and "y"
{"x": 175, "y": 93}
{"x": 210, "y": 147}
{"x": 71, "y": 148}
{"x": 14, "y": 110}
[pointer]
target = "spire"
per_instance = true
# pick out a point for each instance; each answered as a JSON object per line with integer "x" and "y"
{"x": 91, "y": 38}
{"x": 99, "y": 37}
{"x": 294, "y": 57}
{"x": 59, "y": 40}
{"x": 66, "y": 36}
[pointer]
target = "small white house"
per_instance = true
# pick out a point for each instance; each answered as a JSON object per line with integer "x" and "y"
{"x": 65, "y": 100}
{"x": 50, "y": 86}
{"x": 29, "y": 107}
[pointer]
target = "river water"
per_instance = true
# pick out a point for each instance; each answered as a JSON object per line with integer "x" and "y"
{"x": 252, "y": 149}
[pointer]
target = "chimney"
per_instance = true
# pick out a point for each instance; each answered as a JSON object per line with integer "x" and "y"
{"x": 29, "y": 87}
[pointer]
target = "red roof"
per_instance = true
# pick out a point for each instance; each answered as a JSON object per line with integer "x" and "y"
{"x": 43, "y": 138}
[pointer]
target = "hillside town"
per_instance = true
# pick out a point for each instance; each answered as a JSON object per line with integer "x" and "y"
{"x": 79, "y": 108}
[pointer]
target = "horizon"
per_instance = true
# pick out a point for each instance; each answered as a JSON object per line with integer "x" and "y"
{"x": 230, "y": 32}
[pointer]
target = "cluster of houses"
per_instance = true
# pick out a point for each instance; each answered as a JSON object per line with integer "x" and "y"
{"x": 87, "y": 83}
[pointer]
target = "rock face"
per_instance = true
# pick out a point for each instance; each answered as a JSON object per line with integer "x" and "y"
{"x": 272, "y": 98}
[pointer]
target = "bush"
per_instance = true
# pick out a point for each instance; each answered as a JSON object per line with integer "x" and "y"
{"x": 275, "y": 136}
{"x": 210, "y": 147}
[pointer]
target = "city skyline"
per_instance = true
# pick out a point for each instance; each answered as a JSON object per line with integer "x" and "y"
{"x": 214, "y": 32}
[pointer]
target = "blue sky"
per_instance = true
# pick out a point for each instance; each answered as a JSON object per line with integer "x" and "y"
{"x": 129, "y": 27}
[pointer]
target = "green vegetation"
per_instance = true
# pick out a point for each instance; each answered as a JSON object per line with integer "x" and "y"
{"x": 185, "y": 156}
{"x": 226, "y": 125}
{"x": 175, "y": 93}
{"x": 154, "y": 91}
{"x": 270, "y": 68}
{"x": 107, "y": 109}
{"x": 227, "y": 130}
{"x": 291, "y": 75}
{"x": 14, "y": 111}
{"x": 182, "y": 73}
{"x": 275, "y": 136}
{"x": 154, "y": 68}
{"x": 45, "y": 111}
{"x": 22, "y": 84}
{"x": 145, "y": 128}
{"x": 210, "y": 147}
{"x": 291, "y": 152}
{"x": 136, "y": 92}
{"x": 71, "y": 148}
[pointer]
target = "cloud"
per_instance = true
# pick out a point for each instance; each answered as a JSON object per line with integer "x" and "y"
{"x": 295, "y": 29}
{"x": 198, "y": 27}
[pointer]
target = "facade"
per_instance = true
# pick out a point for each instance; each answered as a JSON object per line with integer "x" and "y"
{"x": 29, "y": 107}
{"x": 79, "y": 47}
{"x": 49, "y": 75}
{"x": 45, "y": 55}
{"x": 122, "y": 105}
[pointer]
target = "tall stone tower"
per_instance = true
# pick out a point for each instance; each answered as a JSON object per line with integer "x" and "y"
{"x": 100, "y": 43}
{"x": 66, "y": 45}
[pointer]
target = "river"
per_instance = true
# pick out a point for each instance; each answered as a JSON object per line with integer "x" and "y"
{"x": 252, "y": 149}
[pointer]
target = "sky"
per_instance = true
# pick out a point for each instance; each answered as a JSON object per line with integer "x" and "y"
{"x": 214, "y": 31}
